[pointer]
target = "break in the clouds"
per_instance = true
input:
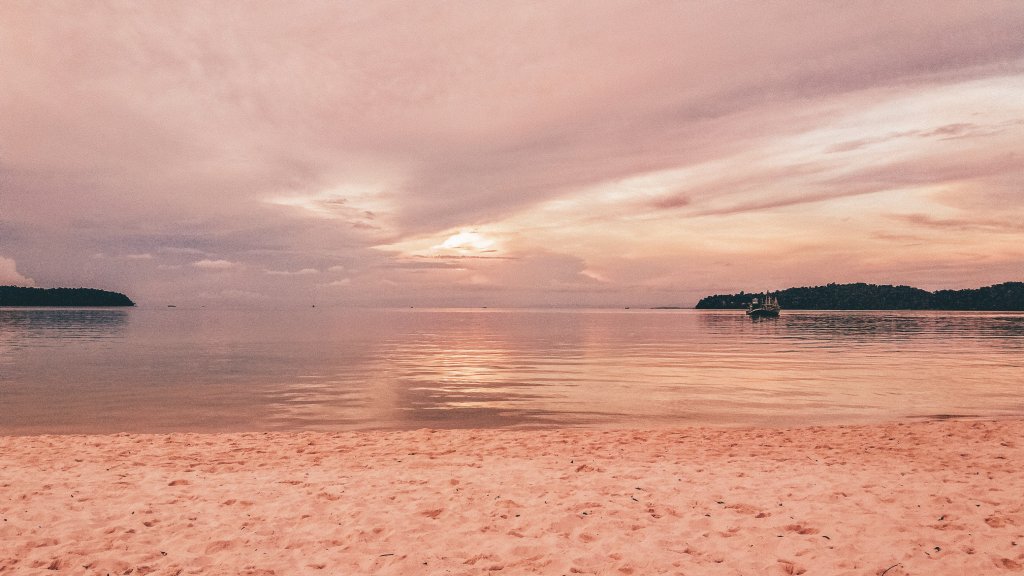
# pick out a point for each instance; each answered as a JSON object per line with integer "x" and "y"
{"x": 379, "y": 153}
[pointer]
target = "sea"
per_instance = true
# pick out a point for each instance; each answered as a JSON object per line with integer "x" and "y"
{"x": 149, "y": 370}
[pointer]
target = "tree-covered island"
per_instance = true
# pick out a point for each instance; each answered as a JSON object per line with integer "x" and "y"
{"x": 18, "y": 296}
{"x": 1008, "y": 296}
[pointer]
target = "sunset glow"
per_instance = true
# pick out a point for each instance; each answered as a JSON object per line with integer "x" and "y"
{"x": 558, "y": 154}
{"x": 467, "y": 242}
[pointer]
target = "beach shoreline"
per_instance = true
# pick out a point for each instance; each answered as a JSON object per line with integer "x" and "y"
{"x": 933, "y": 497}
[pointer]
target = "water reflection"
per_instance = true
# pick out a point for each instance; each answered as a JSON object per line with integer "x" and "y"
{"x": 864, "y": 326}
{"x": 22, "y": 328}
{"x": 62, "y": 323}
{"x": 155, "y": 370}
{"x": 891, "y": 326}
{"x": 476, "y": 368}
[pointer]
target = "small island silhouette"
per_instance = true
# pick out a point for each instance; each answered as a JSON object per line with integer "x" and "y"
{"x": 1008, "y": 296}
{"x": 19, "y": 296}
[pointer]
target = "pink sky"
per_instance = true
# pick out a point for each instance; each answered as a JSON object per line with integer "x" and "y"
{"x": 508, "y": 154}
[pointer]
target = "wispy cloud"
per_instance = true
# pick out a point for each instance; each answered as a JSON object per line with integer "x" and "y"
{"x": 946, "y": 132}
{"x": 302, "y": 272}
{"x": 960, "y": 224}
{"x": 216, "y": 264}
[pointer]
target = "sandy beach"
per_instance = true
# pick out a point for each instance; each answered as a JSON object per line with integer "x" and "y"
{"x": 940, "y": 497}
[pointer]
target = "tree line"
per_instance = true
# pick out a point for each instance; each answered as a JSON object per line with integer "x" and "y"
{"x": 18, "y": 296}
{"x": 860, "y": 296}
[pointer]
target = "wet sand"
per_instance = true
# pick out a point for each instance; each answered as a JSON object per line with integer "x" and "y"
{"x": 917, "y": 498}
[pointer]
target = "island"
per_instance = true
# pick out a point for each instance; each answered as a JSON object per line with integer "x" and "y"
{"x": 1008, "y": 296}
{"x": 77, "y": 297}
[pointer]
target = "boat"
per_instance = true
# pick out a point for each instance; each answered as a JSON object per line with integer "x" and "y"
{"x": 766, "y": 308}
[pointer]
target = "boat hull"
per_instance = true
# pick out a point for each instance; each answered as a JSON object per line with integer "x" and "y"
{"x": 763, "y": 313}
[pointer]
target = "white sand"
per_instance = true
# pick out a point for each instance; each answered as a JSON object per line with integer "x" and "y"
{"x": 924, "y": 498}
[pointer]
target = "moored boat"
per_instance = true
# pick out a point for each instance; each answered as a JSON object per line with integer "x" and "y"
{"x": 766, "y": 308}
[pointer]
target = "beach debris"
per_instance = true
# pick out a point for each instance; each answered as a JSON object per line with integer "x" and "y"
{"x": 889, "y": 568}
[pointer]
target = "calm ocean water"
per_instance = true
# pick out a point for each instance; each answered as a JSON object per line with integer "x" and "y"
{"x": 177, "y": 369}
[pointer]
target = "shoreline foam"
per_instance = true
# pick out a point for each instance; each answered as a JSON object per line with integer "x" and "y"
{"x": 941, "y": 497}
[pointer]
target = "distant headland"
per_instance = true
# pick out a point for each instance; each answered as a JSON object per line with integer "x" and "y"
{"x": 17, "y": 296}
{"x": 1008, "y": 296}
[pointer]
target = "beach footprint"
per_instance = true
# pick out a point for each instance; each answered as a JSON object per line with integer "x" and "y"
{"x": 785, "y": 568}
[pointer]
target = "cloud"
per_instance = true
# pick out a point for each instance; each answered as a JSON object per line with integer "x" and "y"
{"x": 952, "y": 224}
{"x": 302, "y": 272}
{"x": 295, "y": 139}
{"x": 9, "y": 274}
{"x": 147, "y": 256}
{"x": 215, "y": 264}
{"x": 673, "y": 201}
{"x": 946, "y": 132}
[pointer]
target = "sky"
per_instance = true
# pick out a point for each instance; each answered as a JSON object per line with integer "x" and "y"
{"x": 508, "y": 153}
